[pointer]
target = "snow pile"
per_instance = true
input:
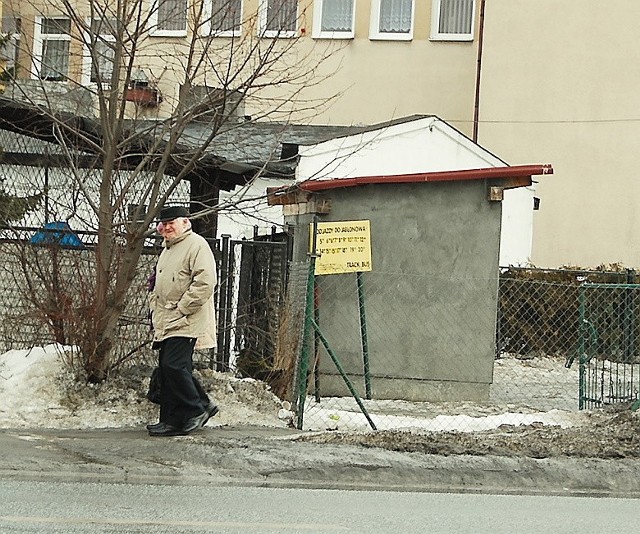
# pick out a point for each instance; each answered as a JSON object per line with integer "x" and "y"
{"x": 37, "y": 390}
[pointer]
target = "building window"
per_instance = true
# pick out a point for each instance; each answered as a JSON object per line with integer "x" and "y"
{"x": 453, "y": 20}
{"x": 392, "y": 19}
{"x": 9, "y": 50}
{"x": 278, "y": 18}
{"x": 100, "y": 51}
{"x": 169, "y": 18}
{"x": 223, "y": 18}
{"x": 333, "y": 19}
{"x": 52, "y": 37}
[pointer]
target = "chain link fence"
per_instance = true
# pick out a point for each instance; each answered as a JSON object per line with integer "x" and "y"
{"x": 45, "y": 291}
{"x": 559, "y": 342}
{"x": 349, "y": 354}
{"x": 40, "y": 190}
{"x": 47, "y": 283}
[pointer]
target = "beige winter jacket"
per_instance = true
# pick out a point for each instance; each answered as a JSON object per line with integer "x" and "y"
{"x": 182, "y": 300}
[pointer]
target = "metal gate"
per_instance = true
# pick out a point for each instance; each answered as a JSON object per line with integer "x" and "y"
{"x": 253, "y": 276}
{"x": 609, "y": 365}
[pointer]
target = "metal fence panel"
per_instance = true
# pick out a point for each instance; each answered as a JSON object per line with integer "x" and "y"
{"x": 607, "y": 354}
{"x": 436, "y": 354}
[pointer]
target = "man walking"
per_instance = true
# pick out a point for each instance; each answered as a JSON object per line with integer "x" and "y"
{"x": 182, "y": 313}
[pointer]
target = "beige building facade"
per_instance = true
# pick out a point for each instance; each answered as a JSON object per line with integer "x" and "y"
{"x": 382, "y": 76}
{"x": 354, "y": 61}
{"x": 560, "y": 83}
{"x": 538, "y": 82}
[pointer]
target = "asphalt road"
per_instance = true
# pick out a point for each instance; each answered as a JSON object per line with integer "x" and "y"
{"x": 82, "y": 507}
{"x": 271, "y": 457}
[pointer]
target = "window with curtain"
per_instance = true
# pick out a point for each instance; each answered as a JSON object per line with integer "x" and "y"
{"x": 392, "y": 19}
{"x": 55, "y": 37}
{"x": 337, "y": 16}
{"x": 226, "y": 17}
{"x": 453, "y": 19}
{"x": 172, "y": 15}
{"x": 104, "y": 33}
{"x": 279, "y": 18}
{"x": 395, "y": 16}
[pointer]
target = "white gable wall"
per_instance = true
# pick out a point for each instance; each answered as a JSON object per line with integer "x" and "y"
{"x": 423, "y": 145}
{"x": 516, "y": 236}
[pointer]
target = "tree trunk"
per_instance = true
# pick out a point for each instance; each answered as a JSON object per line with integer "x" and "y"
{"x": 110, "y": 304}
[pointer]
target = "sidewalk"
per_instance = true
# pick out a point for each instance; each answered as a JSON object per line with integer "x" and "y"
{"x": 271, "y": 457}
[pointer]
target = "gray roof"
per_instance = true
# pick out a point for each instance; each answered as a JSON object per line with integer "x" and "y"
{"x": 237, "y": 151}
{"x": 273, "y": 146}
{"x": 261, "y": 141}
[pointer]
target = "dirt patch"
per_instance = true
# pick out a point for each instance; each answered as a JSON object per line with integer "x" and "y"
{"x": 606, "y": 435}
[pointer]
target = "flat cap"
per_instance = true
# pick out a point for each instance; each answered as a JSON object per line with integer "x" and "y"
{"x": 173, "y": 212}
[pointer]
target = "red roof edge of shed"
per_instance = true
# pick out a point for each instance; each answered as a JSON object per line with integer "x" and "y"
{"x": 516, "y": 171}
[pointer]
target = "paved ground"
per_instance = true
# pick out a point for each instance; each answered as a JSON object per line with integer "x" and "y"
{"x": 262, "y": 456}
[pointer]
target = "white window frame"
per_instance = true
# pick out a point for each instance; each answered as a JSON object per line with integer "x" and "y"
{"x": 38, "y": 46}
{"x": 160, "y": 32}
{"x": 374, "y": 26}
{"x": 262, "y": 22}
{"x": 208, "y": 29}
{"x": 87, "y": 59}
{"x": 319, "y": 33}
{"x": 435, "y": 24}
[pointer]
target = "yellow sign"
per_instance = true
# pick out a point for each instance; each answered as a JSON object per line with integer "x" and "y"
{"x": 342, "y": 247}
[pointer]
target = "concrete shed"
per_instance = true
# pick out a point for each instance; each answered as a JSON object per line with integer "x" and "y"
{"x": 432, "y": 291}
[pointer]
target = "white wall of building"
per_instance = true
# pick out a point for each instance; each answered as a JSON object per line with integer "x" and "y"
{"x": 516, "y": 236}
{"x": 422, "y": 145}
{"x": 246, "y": 207}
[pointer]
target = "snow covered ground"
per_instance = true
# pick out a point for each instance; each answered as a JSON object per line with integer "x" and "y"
{"x": 37, "y": 390}
{"x": 524, "y": 392}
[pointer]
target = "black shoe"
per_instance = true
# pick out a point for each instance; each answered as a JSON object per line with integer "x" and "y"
{"x": 194, "y": 423}
{"x": 210, "y": 410}
{"x": 154, "y": 426}
{"x": 165, "y": 429}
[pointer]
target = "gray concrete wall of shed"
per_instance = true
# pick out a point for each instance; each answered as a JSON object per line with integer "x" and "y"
{"x": 431, "y": 298}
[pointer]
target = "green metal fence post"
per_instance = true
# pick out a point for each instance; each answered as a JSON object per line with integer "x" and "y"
{"x": 344, "y": 376}
{"x": 581, "y": 349}
{"x": 363, "y": 336}
{"x": 303, "y": 368}
{"x": 316, "y": 341}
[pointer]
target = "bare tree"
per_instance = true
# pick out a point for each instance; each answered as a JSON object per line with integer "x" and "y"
{"x": 146, "y": 71}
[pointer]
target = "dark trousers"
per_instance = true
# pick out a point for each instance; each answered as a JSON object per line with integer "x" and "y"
{"x": 181, "y": 395}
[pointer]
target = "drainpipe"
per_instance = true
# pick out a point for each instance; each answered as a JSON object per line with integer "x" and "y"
{"x": 476, "y": 105}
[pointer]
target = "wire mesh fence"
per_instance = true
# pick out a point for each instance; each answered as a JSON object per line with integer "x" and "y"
{"x": 45, "y": 298}
{"x": 556, "y": 343}
{"x": 387, "y": 350}
{"x": 607, "y": 353}
{"x": 43, "y": 191}
{"x": 48, "y": 285}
